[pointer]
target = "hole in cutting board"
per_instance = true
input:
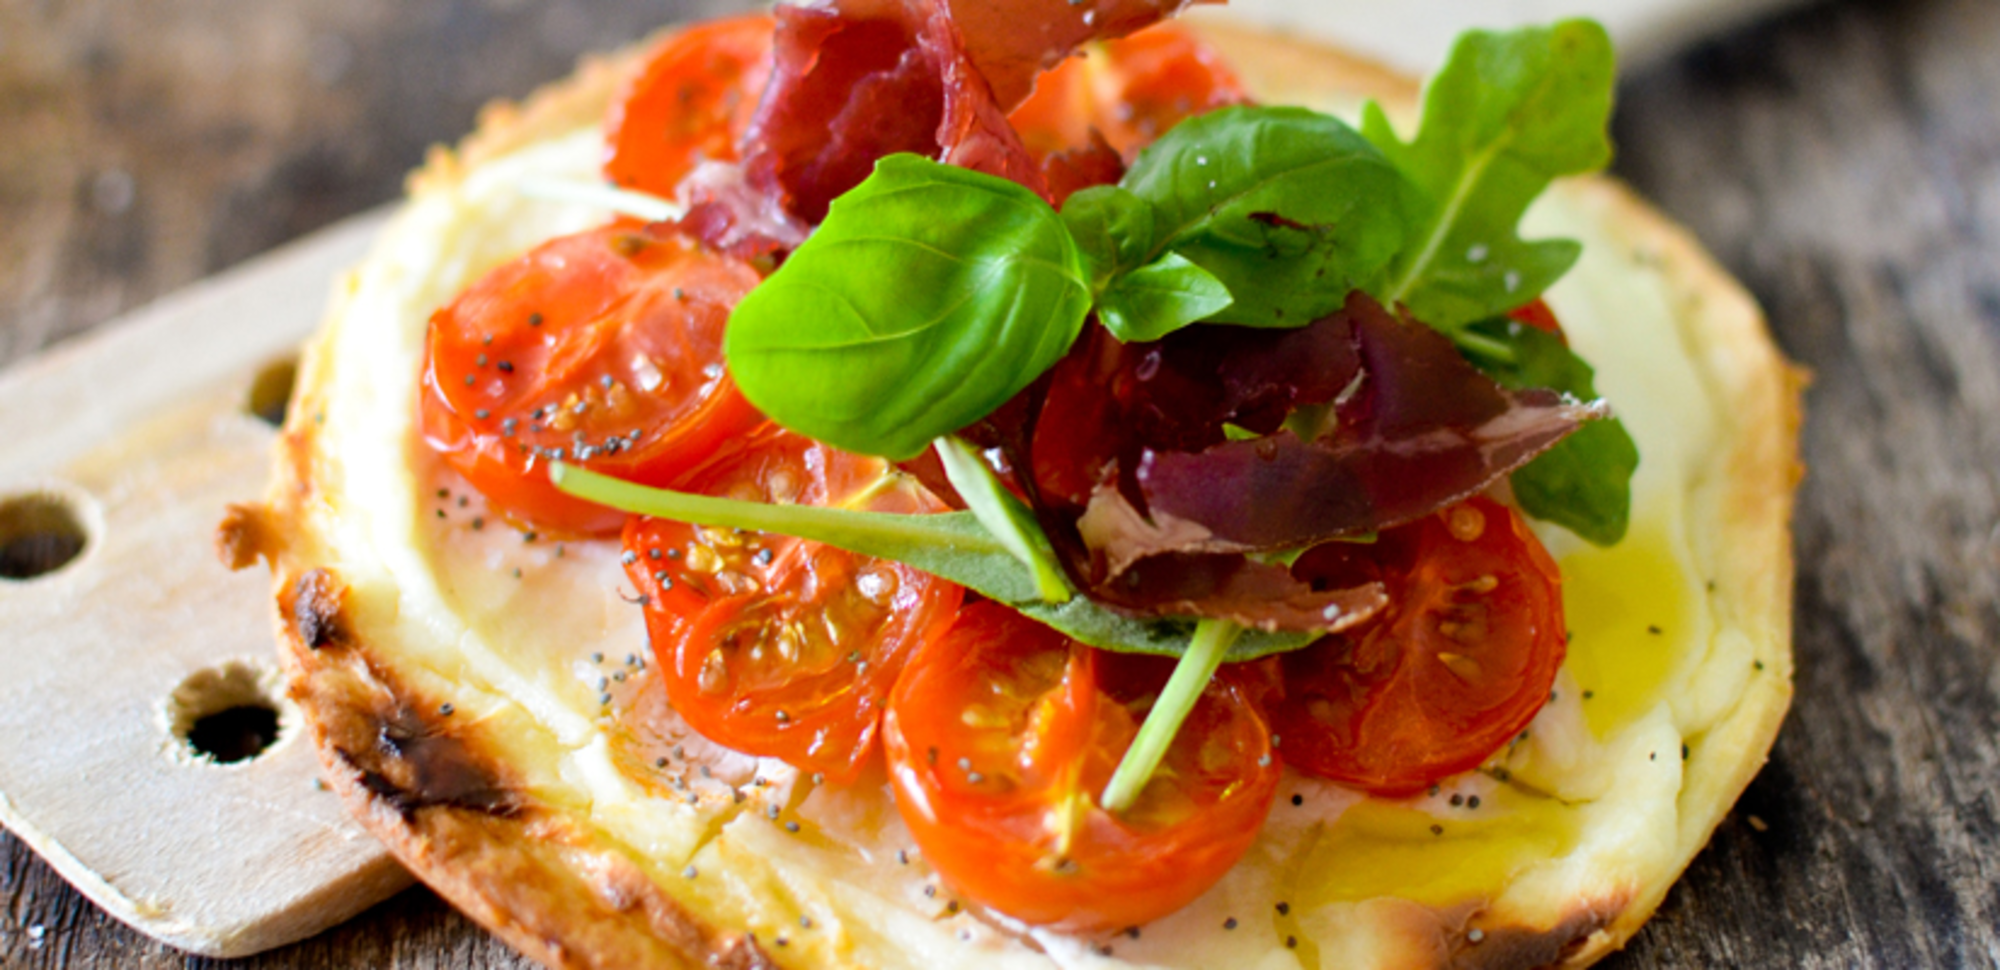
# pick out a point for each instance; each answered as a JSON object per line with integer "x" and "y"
{"x": 228, "y": 714}
{"x": 271, "y": 391}
{"x": 39, "y": 534}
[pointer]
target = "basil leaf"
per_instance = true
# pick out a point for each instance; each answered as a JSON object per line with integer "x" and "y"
{"x": 1288, "y": 208}
{"x": 1155, "y": 300}
{"x": 930, "y": 295}
{"x": 1508, "y": 113}
{"x": 1584, "y": 483}
{"x": 952, "y": 546}
{"x": 1138, "y": 297}
{"x": 1113, "y": 227}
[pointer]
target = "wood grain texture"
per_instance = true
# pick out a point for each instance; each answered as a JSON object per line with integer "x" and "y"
{"x": 144, "y": 433}
{"x": 1846, "y": 165}
{"x": 1844, "y": 161}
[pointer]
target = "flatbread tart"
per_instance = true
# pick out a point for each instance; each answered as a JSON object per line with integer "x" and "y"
{"x": 484, "y": 699}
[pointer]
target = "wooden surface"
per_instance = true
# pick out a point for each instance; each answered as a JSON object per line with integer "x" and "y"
{"x": 161, "y": 817}
{"x": 1843, "y": 160}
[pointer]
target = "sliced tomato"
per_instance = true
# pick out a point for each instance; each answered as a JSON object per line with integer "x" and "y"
{"x": 1000, "y": 739}
{"x": 691, "y": 103}
{"x": 604, "y": 349}
{"x": 1129, "y": 90}
{"x": 776, "y": 646}
{"x": 1539, "y": 316}
{"x": 1458, "y": 664}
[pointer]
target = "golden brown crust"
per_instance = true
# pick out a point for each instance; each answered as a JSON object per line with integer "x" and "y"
{"x": 1749, "y": 553}
{"x": 451, "y": 806}
{"x": 243, "y": 536}
{"x": 418, "y": 782}
{"x": 450, "y": 812}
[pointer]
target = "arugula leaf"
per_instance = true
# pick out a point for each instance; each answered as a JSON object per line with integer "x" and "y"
{"x": 930, "y": 295}
{"x": 952, "y": 545}
{"x": 1584, "y": 483}
{"x": 1009, "y": 519}
{"x": 1508, "y": 113}
{"x": 1288, "y": 208}
{"x": 1160, "y": 298}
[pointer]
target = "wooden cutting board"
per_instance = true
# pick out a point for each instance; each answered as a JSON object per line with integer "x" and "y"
{"x": 123, "y": 664}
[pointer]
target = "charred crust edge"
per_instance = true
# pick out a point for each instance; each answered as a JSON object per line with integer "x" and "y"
{"x": 1579, "y": 936}
{"x": 414, "y": 765}
{"x": 315, "y": 610}
{"x": 433, "y": 789}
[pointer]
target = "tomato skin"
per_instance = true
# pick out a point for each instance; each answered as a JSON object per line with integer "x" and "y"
{"x": 1458, "y": 664}
{"x": 692, "y": 102}
{"x": 1130, "y": 90}
{"x": 743, "y": 624}
{"x": 1000, "y": 739}
{"x": 625, "y": 321}
{"x": 1538, "y": 315}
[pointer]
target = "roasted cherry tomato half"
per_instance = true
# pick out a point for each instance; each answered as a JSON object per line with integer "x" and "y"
{"x": 1459, "y": 662}
{"x": 1129, "y": 90}
{"x": 602, "y": 349}
{"x": 776, "y": 646}
{"x": 1537, "y": 315}
{"x": 691, "y": 103}
{"x": 1002, "y": 736}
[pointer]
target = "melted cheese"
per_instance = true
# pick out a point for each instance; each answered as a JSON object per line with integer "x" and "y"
{"x": 536, "y": 638}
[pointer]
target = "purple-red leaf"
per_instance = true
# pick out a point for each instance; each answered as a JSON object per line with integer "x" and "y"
{"x": 1155, "y": 508}
{"x": 1421, "y": 429}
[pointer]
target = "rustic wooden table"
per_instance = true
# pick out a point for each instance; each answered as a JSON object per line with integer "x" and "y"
{"x": 1843, "y": 160}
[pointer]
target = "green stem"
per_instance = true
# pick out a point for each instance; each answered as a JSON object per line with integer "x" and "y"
{"x": 1196, "y": 668}
{"x": 950, "y": 545}
{"x": 1484, "y": 346}
{"x": 880, "y": 534}
{"x": 1475, "y": 169}
{"x": 1005, "y": 516}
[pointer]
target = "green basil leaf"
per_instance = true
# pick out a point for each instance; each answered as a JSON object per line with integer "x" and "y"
{"x": 1584, "y": 483}
{"x": 930, "y": 295}
{"x": 1155, "y": 300}
{"x": 1288, "y": 208}
{"x": 952, "y": 545}
{"x": 1508, "y": 113}
{"x": 1113, "y": 227}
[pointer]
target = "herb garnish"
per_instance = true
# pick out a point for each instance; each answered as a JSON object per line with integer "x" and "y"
{"x": 1507, "y": 114}
{"x": 951, "y": 545}
{"x": 1289, "y": 209}
{"x": 1584, "y": 483}
{"x": 930, "y": 295}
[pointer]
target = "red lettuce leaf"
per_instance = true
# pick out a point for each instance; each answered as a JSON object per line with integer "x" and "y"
{"x": 1240, "y": 589}
{"x": 1419, "y": 430}
{"x": 1155, "y": 510}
